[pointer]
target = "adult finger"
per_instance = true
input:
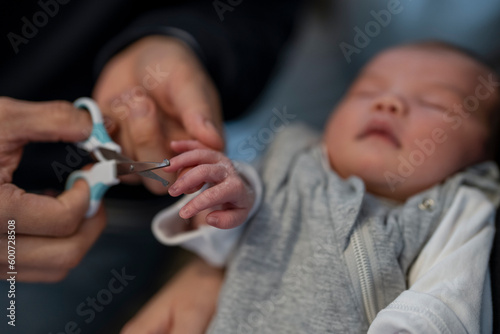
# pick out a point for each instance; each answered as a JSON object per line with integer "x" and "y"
{"x": 43, "y": 215}
{"x": 191, "y": 97}
{"x": 148, "y": 141}
{"x": 44, "y": 121}
{"x": 56, "y": 254}
{"x": 181, "y": 146}
{"x": 34, "y": 274}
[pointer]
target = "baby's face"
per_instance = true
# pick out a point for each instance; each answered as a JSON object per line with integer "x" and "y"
{"x": 403, "y": 126}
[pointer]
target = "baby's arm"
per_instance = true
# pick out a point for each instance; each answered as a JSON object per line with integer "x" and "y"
{"x": 449, "y": 288}
{"x": 214, "y": 245}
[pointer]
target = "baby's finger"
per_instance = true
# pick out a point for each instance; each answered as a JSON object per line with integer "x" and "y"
{"x": 180, "y": 146}
{"x": 193, "y": 158}
{"x": 198, "y": 176}
{"x": 216, "y": 195}
{"x": 225, "y": 219}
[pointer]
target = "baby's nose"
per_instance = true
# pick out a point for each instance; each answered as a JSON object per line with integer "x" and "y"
{"x": 389, "y": 103}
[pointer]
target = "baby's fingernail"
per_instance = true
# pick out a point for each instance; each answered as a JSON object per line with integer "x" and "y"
{"x": 208, "y": 124}
{"x": 217, "y": 138}
{"x": 212, "y": 220}
{"x": 173, "y": 190}
{"x": 185, "y": 213}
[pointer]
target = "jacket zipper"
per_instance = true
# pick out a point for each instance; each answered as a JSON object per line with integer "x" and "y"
{"x": 358, "y": 259}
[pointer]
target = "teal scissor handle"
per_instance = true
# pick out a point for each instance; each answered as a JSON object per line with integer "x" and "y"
{"x": 99, "y": 136}
{"x": 99, "y": 178}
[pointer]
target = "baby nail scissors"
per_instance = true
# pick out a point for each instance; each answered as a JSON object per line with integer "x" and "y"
{"x": 111, "y": 163}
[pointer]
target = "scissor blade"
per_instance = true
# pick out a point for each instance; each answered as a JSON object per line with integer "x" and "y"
{"x": 113, "y": 155}
{"x": 153, "y": 176}
{"x": 124, "y": 168}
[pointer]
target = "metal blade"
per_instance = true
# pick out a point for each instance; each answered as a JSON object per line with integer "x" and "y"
{"x": 151, "y": 175}
{"x": 124, "y": 168}
{"x": 113, "y": 155}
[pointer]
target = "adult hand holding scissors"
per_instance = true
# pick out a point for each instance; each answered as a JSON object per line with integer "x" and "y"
{"x": 52, "y": 234}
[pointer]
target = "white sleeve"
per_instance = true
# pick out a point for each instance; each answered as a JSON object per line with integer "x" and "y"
{"x": 449, "y": 281}
{"x": 212, "y": 244}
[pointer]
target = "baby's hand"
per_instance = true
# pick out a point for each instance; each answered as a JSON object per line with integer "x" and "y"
{"x": 230, "y": 197}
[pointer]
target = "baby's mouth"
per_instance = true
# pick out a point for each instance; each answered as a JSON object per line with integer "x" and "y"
{"x": 382, "y": 131}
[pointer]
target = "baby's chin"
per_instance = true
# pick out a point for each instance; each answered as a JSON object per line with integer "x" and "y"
{"x": 376, "y": 176}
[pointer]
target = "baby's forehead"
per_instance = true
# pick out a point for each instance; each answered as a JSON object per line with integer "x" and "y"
{"x": 426, "y": 63}
{"x": 431, "y": 64}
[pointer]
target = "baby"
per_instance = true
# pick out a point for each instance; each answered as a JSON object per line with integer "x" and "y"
{"x": 382, "y": 225}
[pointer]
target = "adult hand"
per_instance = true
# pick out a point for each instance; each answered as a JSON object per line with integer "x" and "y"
{"x": 51, "y": 234}
{"x": 156, "y": 91}
{"x": 184, "y": 306}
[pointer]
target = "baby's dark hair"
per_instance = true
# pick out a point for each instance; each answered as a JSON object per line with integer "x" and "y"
{"x": 493, "y": 146}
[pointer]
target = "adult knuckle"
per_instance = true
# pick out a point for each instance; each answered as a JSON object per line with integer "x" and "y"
{"x": 71, "y": 257}
{"x": 61, "y": 108}
{"x": 5, "y": 104}
{"x": 10, "y": 196}
{"x": 6, "y": 113}
{"x": 67, "y": 225}
{"x": 61, "y": 111}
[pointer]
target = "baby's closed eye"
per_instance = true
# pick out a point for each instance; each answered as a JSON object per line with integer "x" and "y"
{"x": 434, "y": 103}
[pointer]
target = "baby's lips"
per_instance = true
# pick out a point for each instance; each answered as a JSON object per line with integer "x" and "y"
{"x": 380, "y": 128}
